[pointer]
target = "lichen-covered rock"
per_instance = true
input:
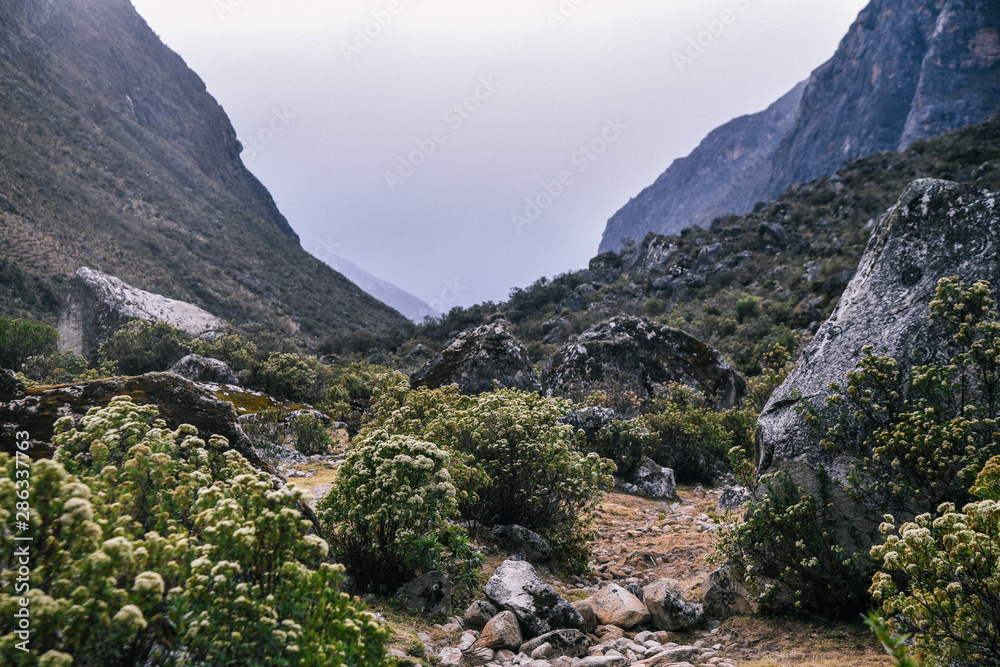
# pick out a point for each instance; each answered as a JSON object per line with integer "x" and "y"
{"x": 732, "y": 498}
{"x": 429, "y": 594}
{"x": 565, "y": 642}
{"x": 202, "y": 369}
{"x": 614, "y": 605}
{"x": 591, "y": 420}
{"x": 631, "y": 354}
{"x": 655, "y": 480}
{"x": 478, "y": 614}
{"x": 477, "y": 358}
{"x": 669, "y": 609}
{"x": 519, "y": 540}
{"x": 724, "y": 596}
{"x": 98, "y": 305}
{"x": 936, "y": 229}
{"x": 516, "y": 587}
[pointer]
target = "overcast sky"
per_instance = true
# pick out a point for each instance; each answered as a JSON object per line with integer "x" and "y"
{"x": 413, "y": 150}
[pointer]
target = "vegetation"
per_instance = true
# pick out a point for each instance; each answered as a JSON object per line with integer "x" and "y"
{"x": 152, "y": 545}
{"x": 22, "y": 339}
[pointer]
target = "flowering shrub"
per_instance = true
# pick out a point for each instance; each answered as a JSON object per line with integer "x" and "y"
{"x": 688, "y": 435}
{"x": 153, "y": 547}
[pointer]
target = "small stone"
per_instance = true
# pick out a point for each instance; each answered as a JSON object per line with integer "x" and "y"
{"x": 451, "y": 657}
{"x": 501, "y": 632}
{"x": 542, "y": 652}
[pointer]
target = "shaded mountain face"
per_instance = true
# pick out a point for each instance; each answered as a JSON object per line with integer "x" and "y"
{"x": 906, "y": 70}
{"x": 115, "y": 156}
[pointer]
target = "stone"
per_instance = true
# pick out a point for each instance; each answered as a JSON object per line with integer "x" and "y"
{"x": 197, "y": 368}
{"x": 658, "y": 482}
{"x": 632, "y": 354}
{"x": 724, "y": 596}
{"x": 733, "y": 498}
{"x": 516, "y": 587}
{"x": 609, "y": 633}
{"x": 586, "y": 611}
{"x": 773, "y": 233}
{"x": 671, "y": 656}
{"x": 451, "y": 657}
{"x": 936, "y": 229}
{"x": 541, "y": 652}
{"x": 591, "y": 420}
{"x": 429, "y": 594}
{"x": 478, "y": 358}
{"x": 604, "y": 661}
{"x": 567, "y": 642}
{"x": 614, "y": 605}
{"x": 519, "y": 540}
{"x": 669, "y": 609}
{"x": 478, "y": 614}
{"x": 501, "y": 632}
{"x": 98, "y": 305}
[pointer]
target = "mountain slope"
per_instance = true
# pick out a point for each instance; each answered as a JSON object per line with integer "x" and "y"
{"x": 116, "y": 157}
{"x": 407, "y": 304}
{"x": 906, "y": 70}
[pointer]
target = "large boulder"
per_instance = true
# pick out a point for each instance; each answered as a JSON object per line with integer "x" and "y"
{"x": 98, "y": 305}
{"x": 566, "y": 642}
{"x": 669, "y": 609}
{"x": 202, "y": 369}
{"x": 724, "y": 596}
{"x": 477, "y": 358}
{"x": 614, "y": 605}
{"x": 655, "y": 480}
{"x": 936, "y": 229}
{"x": 591, "y": 420}
{"x": 429, "y": 594}
{"x": 519, "y": 540}
{"x": 503, "y": 631}
{"x": 516, "y": 587}
{"x": 632, "y": 354}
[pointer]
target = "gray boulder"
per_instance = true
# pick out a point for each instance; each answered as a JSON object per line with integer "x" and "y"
{"x": 98, "y": 305}
{"x": 724, "y": 596}
{"x": 669, "y": 609}
{"x": 478, "y": 614}
{"x": 429, "y": 594}
{"x": 519, "y": 540}
{"x": 658, "y": 482}
{"x": 569, "y": 643}
{"x": 516, "y": 587}
{"x": 632, "y": 354}
{"x": 733, "y": 498}
{"x": 591, "y": 420}
{"x": 202, "y": 369}
{"x": 936, "y": 229}
{"x": 477, "y": 358}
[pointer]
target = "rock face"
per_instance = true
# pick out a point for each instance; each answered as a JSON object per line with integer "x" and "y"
{"x": 516, "y": 587}
{"x": 98, "y": 305}
{"x": 614, "y": 605}
{"x": 202, "y": 369}
{"x": 907, "y": 70}
{"x": 669, "y": 609}
{"x": 724, "y": 596}
{"x": 733, "y": 498}
{"x": 478, "y": 357}
{"x": 631, "y": 354}
{"x": 937, "y": 229}
{"x": 658, "y": 482}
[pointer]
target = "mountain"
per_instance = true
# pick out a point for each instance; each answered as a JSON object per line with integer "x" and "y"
{"x": 389, "y": 294}
{"x": 907, "y": 70}
{"x": 114, "y": 156}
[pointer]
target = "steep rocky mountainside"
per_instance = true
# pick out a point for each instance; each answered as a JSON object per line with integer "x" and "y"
{"x": 905, "y": 71}
{"x": 114, "y": 156}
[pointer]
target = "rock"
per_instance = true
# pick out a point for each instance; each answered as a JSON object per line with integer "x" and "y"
{"x": 614, "y": 605}
{"x": 637, "y": 591}
{"x": 936, "y": 229}
{"x": 98, "y": 305}
{"x": 671, "y": 656}
{"x": 10, "y": 387}
{"x": 420, "y": 351}
{"x": 478, "y": 614}
{"x": 501, "y": 632}
{"x": 631, "y": 354}
{"x": 724, "y": 596}
{"x": 586, "y": 611}
{"x": 605, "y": 661}
{"x": 519, "y": 540}
{"x": 733, "y": 498}
{"x": 669, "y": 609}
{"x": 542, "y": 652}
{"x": 591, "y": 420}
{"x": 429, "y": 594}
{"x": 516, "y": 587}
{"x": 773, "y": 233}
{"x": 567, "y": 642}
{"x": 655, "y": 480}
{"x": 477, "y": 358}
{"x": 202, "y": 369}
{"x": 451, "y": 657}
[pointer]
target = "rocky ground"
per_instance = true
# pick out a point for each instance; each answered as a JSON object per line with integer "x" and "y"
{"x": 640, "y": 542}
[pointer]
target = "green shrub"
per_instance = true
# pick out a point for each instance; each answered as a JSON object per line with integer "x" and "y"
{"x": 238, "y": 352}
{"x": 309, "y": 434}
{"x": 625, "y": 443}
{"x": 57, "y": 368}
{"x": 153, "y": 547}
{"x": 688, "y": 435}
{"x": 291, "y": 377}
{"x": 21, "y": 339}
{"x": 350, "y": 393}
{"x": 654, "y": 307}
{"x": 144, "y": 347}
{"x": 747, "y": 308}
{"x": 388, "y": 513}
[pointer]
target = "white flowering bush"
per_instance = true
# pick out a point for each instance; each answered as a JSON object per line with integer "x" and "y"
{"x": 389, "y": 513}
{"x": 152, "y": 547}
{"x": 940, "y": 578}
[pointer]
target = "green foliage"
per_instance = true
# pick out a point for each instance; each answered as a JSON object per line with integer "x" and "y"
{"x": 747, "y": 308}
{"x": 238, "y": 352}
{"x": 350, "y": 393}
{"x": 654, "y": 307}
{"x": 894, "y": 645}
{"x": 788, "y": 550}
{"x": 388, "y": 513}
{"x": 21, "y": 339}
{"x": 144, "y": 347}
{"x": 153, "y": 547}
{"x": 309, "y": 434}
{"x": 689, "y": 436}
{"x": 625, "y": 443}
{"x": 291, "y": 377}
{"x": 57, "y": 368}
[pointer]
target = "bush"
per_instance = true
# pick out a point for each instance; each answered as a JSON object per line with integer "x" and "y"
{"x": 388, "y": 513}
{"x": 153, "y": 547}
{"x": 625, "y": 443}
{"x": 144, "y": 347}
{"x": 688, "y": 435}
{"x": 57, "y": 368}
{"x": 291, "y": 377}
{"x": 238, "y": 352}
{"x": 309, "y": 434}
{"x": 21, "y": 339}
{"x": 350, "y": 393}
{"x": 747, "y": 308}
